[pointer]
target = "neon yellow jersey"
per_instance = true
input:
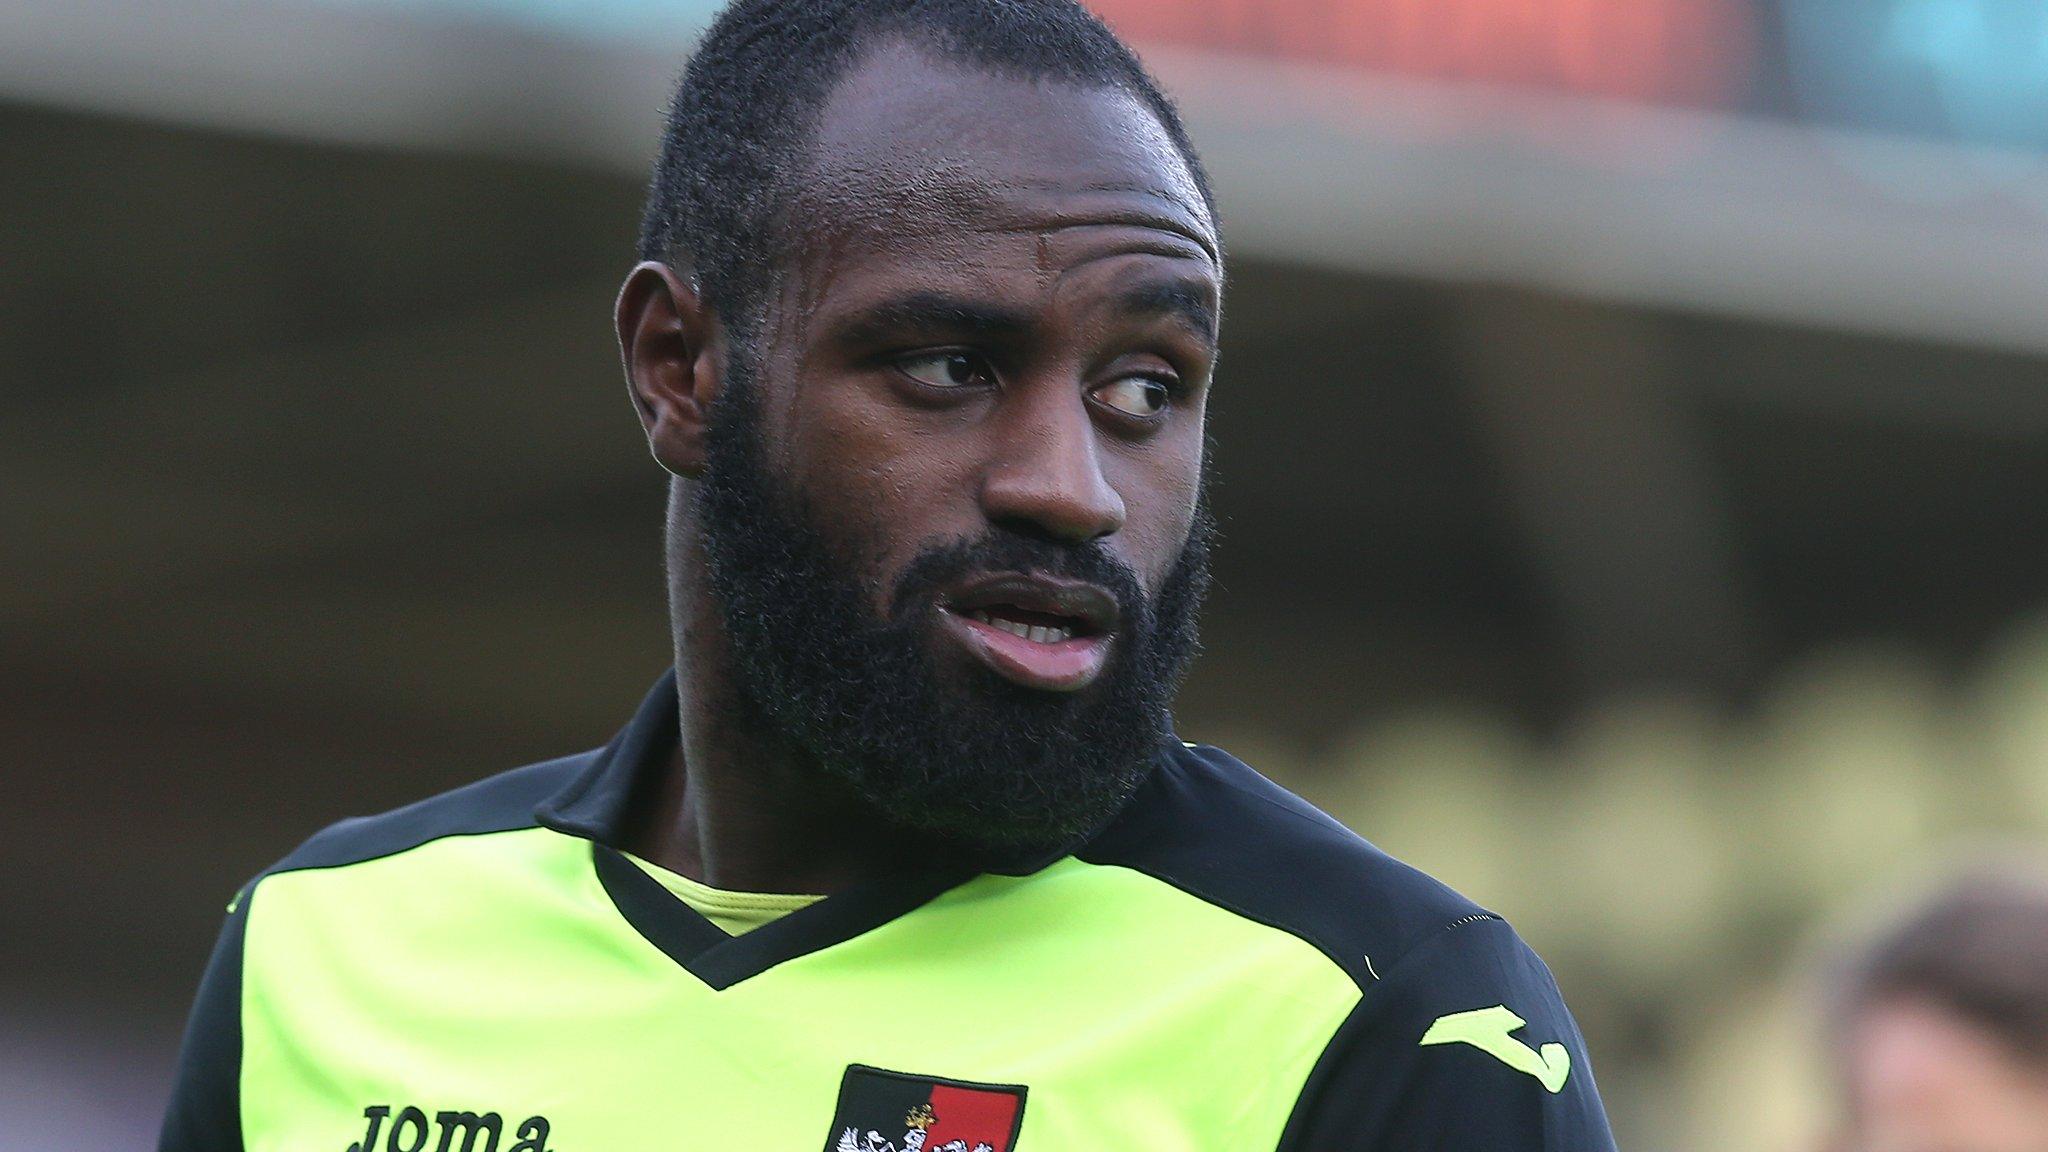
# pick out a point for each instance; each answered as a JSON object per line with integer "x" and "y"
{"x": 1220, "y": 968}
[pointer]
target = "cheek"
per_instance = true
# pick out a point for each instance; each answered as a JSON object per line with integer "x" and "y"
{"x": 881, "y": 485}
{"x": 1159, "y": 503}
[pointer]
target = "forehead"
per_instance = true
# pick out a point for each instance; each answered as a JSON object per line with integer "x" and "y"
{"x": 912, "y": 148}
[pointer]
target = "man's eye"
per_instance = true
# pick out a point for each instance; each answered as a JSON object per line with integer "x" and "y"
{"x": 1137, "y": 395}
{"x": 947, "y": 370}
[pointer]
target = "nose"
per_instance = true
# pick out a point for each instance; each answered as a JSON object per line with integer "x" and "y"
{"x": 1045, "y": 474}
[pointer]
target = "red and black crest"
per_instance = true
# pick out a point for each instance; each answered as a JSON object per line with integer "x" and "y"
{"x": 883, "y": 1111}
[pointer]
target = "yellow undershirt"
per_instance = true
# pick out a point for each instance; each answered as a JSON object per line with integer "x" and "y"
{"x": 735, "y": 912}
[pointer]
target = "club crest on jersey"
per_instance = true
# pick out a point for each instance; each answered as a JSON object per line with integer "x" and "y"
{"x": 884, "y": 1111}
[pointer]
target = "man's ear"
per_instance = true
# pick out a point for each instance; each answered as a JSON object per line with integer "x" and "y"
{"x": 672, "y": 346}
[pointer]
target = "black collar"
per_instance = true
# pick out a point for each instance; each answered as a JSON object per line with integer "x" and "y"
{"x": 596, "y": 801}
{"x": 594, "y": 806}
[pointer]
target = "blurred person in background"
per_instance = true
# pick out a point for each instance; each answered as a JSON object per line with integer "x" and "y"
{"x": 1937, "y": 1023}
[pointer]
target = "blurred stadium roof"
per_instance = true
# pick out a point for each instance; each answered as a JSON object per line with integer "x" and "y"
{"x": 1871, "y": 166}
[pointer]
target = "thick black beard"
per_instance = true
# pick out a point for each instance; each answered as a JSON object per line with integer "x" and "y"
{"x": 982, "y": 765}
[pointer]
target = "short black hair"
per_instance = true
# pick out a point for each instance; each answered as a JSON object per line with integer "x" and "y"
{"x": 1976, "y": 948}
{"x": 751, "y": 95}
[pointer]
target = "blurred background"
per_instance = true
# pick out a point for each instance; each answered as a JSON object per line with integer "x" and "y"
{"x": 1633, "y": 433}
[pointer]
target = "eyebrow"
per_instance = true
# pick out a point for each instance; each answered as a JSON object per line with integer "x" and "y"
{"x": 932, "y": 313}
{"x": 936, "y": 314}
{"x": 1188, "y": 301}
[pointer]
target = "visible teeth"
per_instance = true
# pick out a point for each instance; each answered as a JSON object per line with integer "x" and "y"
{"x": 1036, "y": 633}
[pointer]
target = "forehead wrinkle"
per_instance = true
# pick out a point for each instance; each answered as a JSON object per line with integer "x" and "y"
{"x": 1173, "y": 244}
{"x": 1194, "y": 224}
{"x": 868, "y": 202}
{"x": 1191, "y": 223}
{"x": 956, "y": 205}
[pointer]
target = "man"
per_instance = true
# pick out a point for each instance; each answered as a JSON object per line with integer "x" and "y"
{"x": 1940, "y": 1022}
{"x": 904, "y": 853}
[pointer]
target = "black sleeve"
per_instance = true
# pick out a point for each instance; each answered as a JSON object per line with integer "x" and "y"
{"x": 205, "y": 1112}
{"x": 1464, "y": 1044}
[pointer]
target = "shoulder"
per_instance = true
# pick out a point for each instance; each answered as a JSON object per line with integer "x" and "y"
{"x": 205, "y": 1108}
{"x": 1210, "y": 825}
{"x": 502, "y": 803}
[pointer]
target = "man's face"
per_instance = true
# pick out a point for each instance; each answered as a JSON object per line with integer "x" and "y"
{"x": 952, "y": 508}
{"x": 1922, "y": 1080}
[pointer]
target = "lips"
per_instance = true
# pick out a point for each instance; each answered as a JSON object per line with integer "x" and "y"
{"x": 1034, "y": 630}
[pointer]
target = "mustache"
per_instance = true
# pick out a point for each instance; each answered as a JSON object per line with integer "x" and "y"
{"x": 1003, "y": 550}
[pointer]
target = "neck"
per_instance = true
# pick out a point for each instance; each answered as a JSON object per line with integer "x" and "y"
{"x": 739, "y": 806}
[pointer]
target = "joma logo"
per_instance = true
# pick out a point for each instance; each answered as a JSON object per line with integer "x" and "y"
{"x": 410, "y": 1130}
